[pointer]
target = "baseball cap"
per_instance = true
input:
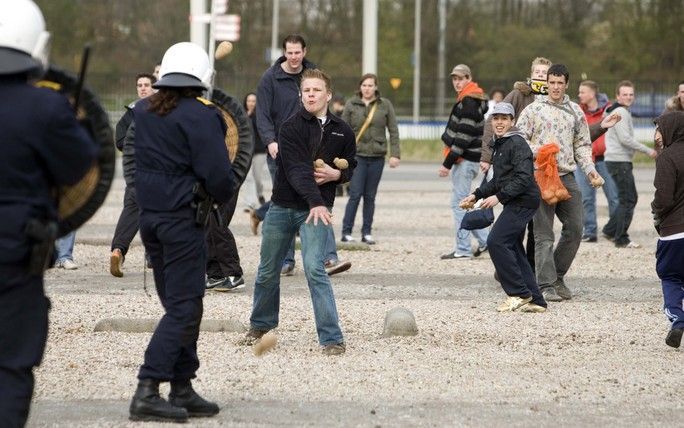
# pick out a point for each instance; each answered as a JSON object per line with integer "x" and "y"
{"x": 503, "y": 108}
{"x": 461, "y": 70}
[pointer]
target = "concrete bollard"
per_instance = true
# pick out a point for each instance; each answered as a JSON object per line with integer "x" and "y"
{"x": 141, "y": 325}
{"x": 400, "y": 322}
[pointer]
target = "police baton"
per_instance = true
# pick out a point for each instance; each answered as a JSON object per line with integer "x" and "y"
{"x": 81, "y": 76}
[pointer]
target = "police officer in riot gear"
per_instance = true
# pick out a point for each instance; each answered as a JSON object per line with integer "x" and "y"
{"x": 181, "y": 161}
{"x": 43, "y": 147}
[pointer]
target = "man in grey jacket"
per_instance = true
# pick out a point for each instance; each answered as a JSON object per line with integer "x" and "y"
{"x": 620, "y": 148}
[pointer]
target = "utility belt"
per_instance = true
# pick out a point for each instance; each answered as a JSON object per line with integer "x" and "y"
{"x": 42, "y": 235}
{"x": 204, "y": 204}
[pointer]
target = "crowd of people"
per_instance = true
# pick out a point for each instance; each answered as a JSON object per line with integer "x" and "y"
{"x": 182, "y": 190}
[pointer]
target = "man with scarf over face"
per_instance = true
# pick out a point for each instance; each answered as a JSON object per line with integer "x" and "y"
{"x": 463, "y": 141}
{"x": 668, "y": 216}
{"x": 522, "y": 95}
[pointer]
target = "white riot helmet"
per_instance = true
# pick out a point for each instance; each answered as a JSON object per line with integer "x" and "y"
{"x": 24, "y": 43}
{"x": 185, "y": 65}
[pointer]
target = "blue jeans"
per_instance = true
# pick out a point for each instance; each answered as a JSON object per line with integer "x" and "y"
{"x": 462, "y": 176}
{"x": 330, "y": 249}
{"x": 364, "y": 183}
{"x": 627, "y": 194}
{"x": 670, "y": 269}
{"x": 330, "y": 246}
{"x": 589, "y": 197}
{"x": 280, "y": 226}
{"x": 64, "y": 247}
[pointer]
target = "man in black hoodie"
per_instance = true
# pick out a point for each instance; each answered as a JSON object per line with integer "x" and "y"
{"x": 668, "y": 216}
{"x": 303, "y": 197}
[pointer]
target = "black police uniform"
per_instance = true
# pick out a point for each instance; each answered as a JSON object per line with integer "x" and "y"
{"x": 172, "y": 154}
{"x": 43, "y": 146}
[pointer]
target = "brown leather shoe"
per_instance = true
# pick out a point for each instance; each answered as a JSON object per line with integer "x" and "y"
{"x": 254, "y": 221}
{"x": 116, "y": 260}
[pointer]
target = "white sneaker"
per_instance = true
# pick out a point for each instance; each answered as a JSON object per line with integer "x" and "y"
{"x": 513, "y": 303}
{"x": 347, "y": 238}
{"x": 67, "y": 264}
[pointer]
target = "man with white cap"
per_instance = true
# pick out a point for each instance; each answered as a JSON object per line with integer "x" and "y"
{"x": 514, "y": 186}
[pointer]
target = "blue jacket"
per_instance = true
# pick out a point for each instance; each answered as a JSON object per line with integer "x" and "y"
{"x": 175, "y": 151}
{"x": 302, "y": 140}
{"x": 43, "y": 146}
{"x": 278, "y": 97}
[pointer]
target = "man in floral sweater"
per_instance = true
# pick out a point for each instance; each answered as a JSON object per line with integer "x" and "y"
{"x": 554, "y": 119}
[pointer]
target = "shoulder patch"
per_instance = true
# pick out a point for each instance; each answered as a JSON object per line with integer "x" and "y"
{"x": 48, "y": 84}
{"x": 204, "y": 101}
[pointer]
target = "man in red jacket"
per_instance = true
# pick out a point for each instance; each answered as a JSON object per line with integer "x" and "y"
{"x": 593, "y": 105}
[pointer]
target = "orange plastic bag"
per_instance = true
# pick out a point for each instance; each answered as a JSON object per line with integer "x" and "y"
{"x": 546, "y": 174}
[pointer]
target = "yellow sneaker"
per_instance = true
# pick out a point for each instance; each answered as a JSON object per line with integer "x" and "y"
{"x": 531, "y": 307}
{"x": 513, "y": 303}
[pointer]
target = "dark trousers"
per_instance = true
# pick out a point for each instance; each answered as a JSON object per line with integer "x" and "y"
{"x": 128, "y": 223}
{"x": 508, "y": 254}
{"x": 223, "y": 259}
{"x": 619, "y": 223}
{"x": 670, "y": 269}
{"x": 529, "y": 245}
{"x": 364, "y": 183}
{"x": 179, "y": 256}
{"x": 23, "y": 333}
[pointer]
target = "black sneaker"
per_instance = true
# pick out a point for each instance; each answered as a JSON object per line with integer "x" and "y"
{"x": 674, "y": 337}
{"x": 231, "y": 283}
{"x": 562, "y": 290}
{"x": 480, "y": 251}
{"x": 550, "y": 294}
{"x": 588, "y": 238}
{"x": 214, "y": 281}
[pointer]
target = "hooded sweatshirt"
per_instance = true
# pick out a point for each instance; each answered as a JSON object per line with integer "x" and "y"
{"x": 547, "y": 122}
{"x": 513, "y": 182}
{"x": 620, "y": 141}
{"x": 668, "y": 203}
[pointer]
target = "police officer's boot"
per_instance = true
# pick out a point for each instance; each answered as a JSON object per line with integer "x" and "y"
{"x": 182, "y": 395}
{"x": 147, "y": 405}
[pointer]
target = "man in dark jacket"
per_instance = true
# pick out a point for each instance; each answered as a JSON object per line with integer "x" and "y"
{"x": 303, "y": 197}
{"x": 127, "y": 225}
{"x": 668, "y": 215}
{"x": 463, "y": 141}
{"x": 279, "y": 98}
{"x": 514, "y": 186}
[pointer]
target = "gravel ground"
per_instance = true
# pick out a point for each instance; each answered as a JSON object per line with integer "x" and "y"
{"x": 597, "y": 359}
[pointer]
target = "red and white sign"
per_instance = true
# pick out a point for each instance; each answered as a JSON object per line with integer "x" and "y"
{"x": 227, "y": 27}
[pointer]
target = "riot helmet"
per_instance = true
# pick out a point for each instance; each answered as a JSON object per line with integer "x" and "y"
{"x": 185, "y": 65}
{"x": 24, "y": 43}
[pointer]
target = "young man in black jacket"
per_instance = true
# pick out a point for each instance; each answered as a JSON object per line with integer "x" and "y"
{"x": 303, "y": 197}
{"x": 514, "y": 186}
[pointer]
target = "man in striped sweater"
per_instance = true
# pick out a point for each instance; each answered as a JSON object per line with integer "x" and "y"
{"x": 463, "y": 141}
